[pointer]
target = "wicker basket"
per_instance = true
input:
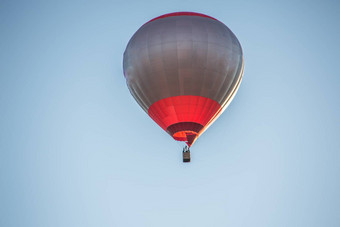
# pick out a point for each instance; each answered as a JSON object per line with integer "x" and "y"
{"x": 186, "y": 156}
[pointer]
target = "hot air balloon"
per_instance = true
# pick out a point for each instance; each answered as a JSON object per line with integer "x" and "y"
{"x": 183, "y": 69}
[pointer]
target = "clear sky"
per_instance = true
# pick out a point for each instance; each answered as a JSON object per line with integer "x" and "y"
{"x": 77, "y": 150}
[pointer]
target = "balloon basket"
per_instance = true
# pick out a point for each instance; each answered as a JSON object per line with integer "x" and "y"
{"x": 186, "y": 156}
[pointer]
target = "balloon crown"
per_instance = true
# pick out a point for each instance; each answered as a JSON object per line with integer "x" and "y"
{"x": 181, "y": 14}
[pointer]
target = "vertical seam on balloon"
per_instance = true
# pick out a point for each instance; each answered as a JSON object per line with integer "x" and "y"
{"x": 178, "y": 70}
{"x": 164, "y": 63}
{"x": 206, "y": 59}
{"x": 218, "y": 95}
{"x": 190, "y": 85}
{"x": 147, "y": 101}
{"x": 205, "y": 70}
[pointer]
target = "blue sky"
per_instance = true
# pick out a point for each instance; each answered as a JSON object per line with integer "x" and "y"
{"x": 77, "y": 150}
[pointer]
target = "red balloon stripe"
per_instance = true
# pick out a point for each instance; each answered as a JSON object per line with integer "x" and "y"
{"x": 186, "y": 108}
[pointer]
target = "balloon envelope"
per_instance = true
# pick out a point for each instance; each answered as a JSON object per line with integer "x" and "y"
{"x": 183, "y": 69}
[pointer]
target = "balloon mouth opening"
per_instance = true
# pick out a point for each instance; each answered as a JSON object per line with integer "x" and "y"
{"x": 187, "y": 132}
{"x": 188, "y": 137}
